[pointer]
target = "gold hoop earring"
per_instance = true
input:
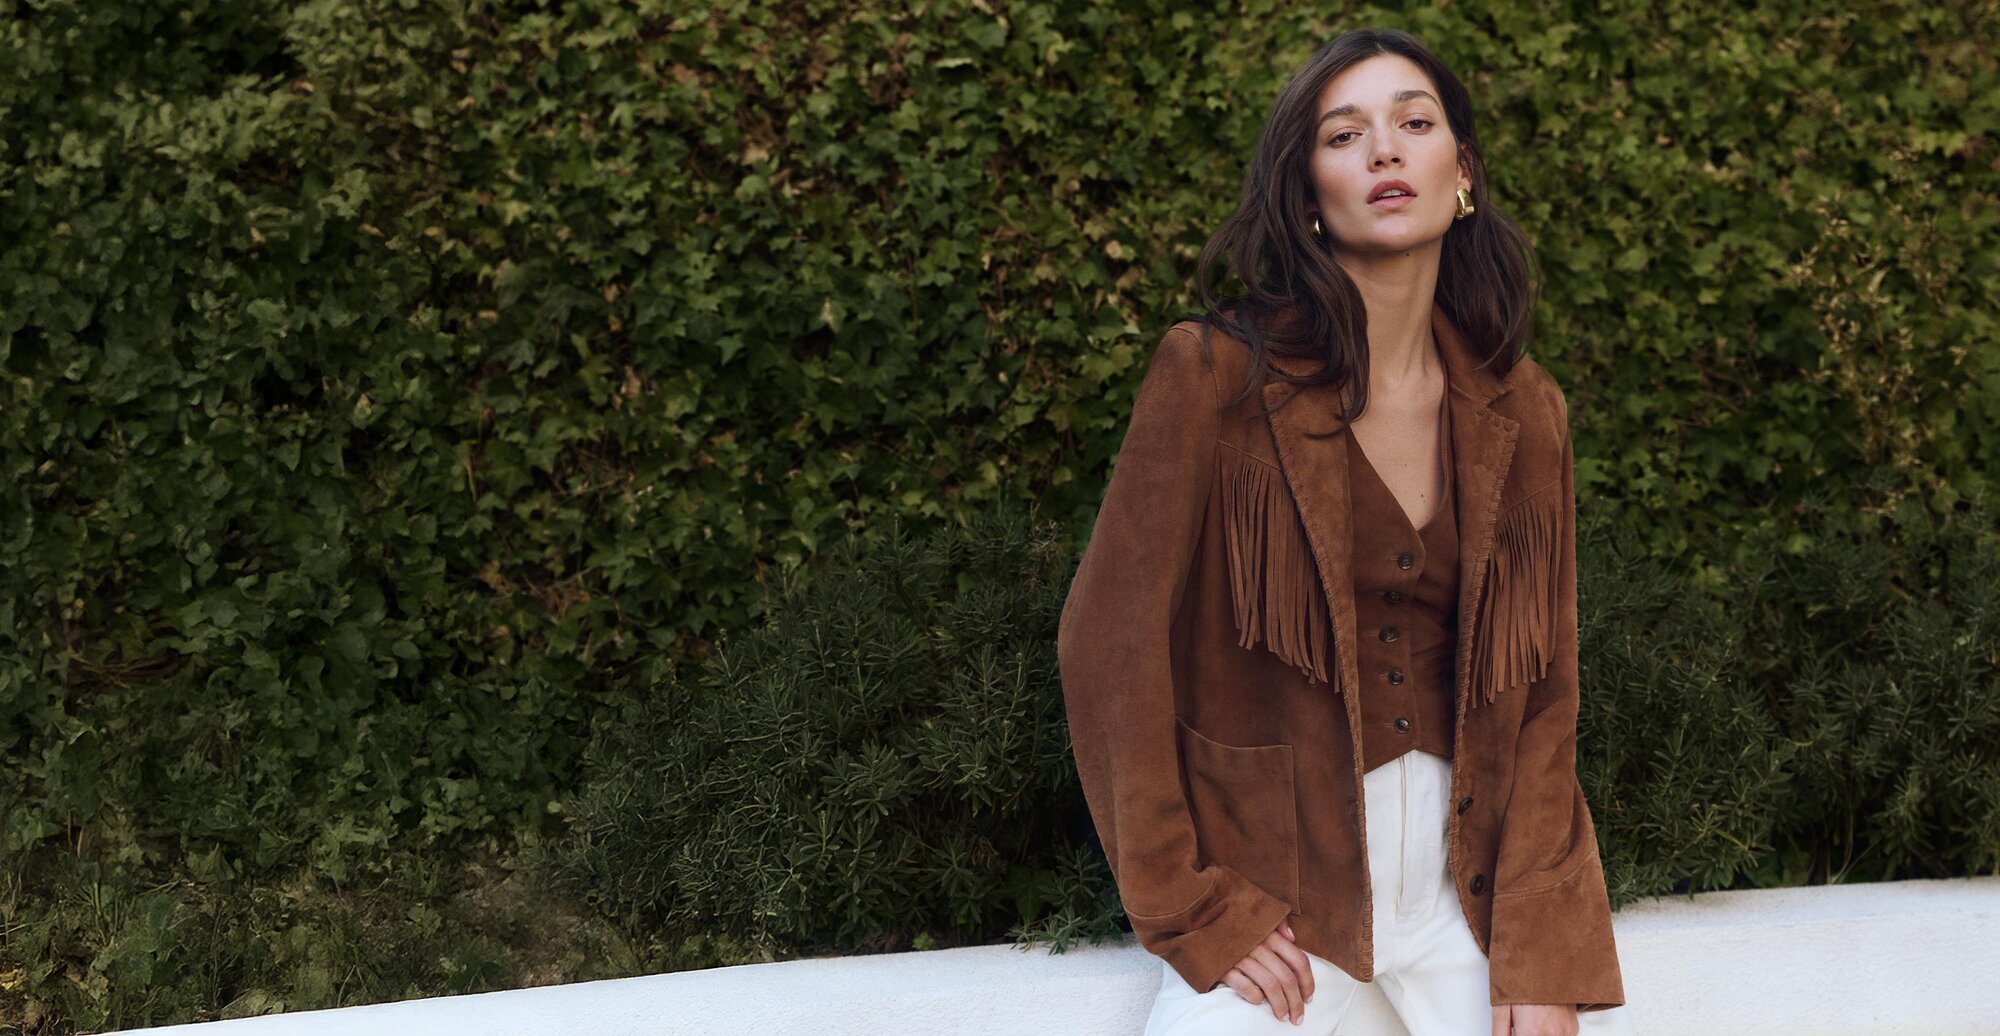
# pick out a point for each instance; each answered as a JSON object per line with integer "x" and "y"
{"x": 1318, "y": 231}
{"x": 1465, "y": 206}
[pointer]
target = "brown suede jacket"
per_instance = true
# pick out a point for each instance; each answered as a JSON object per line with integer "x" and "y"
{"x": 1207, "y": 649}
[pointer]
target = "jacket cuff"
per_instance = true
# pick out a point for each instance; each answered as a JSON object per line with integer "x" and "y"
{"x": 1215, "y": 932}
{"x": 1553, "y": 945}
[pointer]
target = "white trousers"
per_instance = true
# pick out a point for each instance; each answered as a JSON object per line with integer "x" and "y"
{"x": 1427, "y": 963}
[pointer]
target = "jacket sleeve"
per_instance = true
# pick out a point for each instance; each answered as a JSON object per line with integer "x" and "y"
{"x": 1551, "y": 929}
{"x": 1115, "y": 652}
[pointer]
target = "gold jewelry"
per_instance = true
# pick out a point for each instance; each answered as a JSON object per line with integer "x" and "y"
{"x": 1465, "y": 206}
{"x": 1317, "y": 232}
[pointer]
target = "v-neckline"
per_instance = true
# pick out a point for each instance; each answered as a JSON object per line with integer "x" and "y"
{"x": 1444, "y": 439}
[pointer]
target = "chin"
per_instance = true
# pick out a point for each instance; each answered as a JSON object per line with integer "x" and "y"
{"x": 1395, "y": 243}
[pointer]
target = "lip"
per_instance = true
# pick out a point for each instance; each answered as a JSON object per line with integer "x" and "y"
{"x": 1375, "y": 192}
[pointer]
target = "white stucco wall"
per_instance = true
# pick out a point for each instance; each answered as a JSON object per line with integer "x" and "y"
{"x": 1912, "y": 957}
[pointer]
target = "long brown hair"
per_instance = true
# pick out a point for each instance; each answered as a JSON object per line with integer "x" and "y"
{"x": 1299, "y": 301}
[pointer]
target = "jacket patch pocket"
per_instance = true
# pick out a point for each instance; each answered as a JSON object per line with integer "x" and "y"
{"x": 1245, "y": 809}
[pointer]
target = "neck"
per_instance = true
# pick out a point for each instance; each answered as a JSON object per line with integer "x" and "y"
{"x": 1398, "y": 289}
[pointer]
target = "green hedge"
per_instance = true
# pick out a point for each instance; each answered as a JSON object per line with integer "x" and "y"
{"x": 386, "y": 391}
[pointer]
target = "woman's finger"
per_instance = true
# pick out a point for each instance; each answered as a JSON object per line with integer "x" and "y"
{"x": 1235, "y": 979}
{"x": 1302, "y": 971}
{"x": 1267, "y": 980}
{"x": 1288, "y": 981}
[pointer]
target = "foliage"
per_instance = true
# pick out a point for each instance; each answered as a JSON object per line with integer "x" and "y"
{"x": 884, "y": 760}
{"x": 388, "y": 391}
{"x": 1839, "y": 705}
{"x": 93, "y": 945}
{"x": 1881, "y": 663}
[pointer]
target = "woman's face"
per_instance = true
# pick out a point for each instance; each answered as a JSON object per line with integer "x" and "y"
{"x": 1381, "y": 120}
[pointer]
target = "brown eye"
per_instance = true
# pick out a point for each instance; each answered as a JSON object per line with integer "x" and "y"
{"x": 1335, "y": 139}
{"x": 1426, "y": 122}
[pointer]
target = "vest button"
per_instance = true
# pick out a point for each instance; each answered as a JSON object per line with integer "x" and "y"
{"x": 1405, "y": 560}
{"x": 1388, "y": 633}
{"x": 1394, "y": 595}
{"x": 1396, "y": 675}
{"x": 1402, "y": 724}
{"x": 1465, "y": 803}
{"x": 1478, "y": 883}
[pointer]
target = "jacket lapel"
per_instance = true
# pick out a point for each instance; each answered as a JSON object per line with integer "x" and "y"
{"x": 1313, "y": 453}
{"x": 1312, "y": 450}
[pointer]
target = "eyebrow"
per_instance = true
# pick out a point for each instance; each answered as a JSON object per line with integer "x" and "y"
{"x": 1350, "y": 108}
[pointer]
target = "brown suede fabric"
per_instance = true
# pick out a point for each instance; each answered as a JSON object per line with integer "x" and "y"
{"x": 1208, "y": 655}
{"x": 1406, "y": 602}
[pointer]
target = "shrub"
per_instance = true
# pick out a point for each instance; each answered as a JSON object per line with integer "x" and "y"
{"x": 881, "y": 763}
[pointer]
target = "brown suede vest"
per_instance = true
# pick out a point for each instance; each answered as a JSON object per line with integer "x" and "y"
{"x": 1406, "y": 603}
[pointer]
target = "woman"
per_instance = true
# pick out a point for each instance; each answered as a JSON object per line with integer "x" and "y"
{"x": 1319, "y": 657}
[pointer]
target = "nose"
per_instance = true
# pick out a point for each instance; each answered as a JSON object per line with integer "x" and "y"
{"x": 1386, "y": 152}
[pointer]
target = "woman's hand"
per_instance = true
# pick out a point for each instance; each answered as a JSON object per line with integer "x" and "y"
{"x": 1278, "y": 972}
{"x": 1534, "y": 1020}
